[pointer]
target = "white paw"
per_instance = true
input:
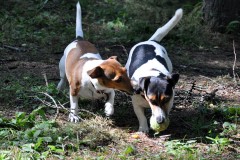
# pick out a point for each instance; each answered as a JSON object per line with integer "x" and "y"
{"x": 109, "y": 110}
{"x": 144, "y": 129}
{"x": 73, "y": 118}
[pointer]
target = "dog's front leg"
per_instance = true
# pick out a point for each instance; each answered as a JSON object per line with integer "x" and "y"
{"x": 73, "y": 116}
{"x": 139, "y": 111}
{"x": 109, "y": 109}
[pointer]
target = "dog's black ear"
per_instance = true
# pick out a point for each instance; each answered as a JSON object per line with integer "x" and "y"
{"x": 173, "y": 79}
{"x": 143, "y": 83}
{"x": 96, "y": 72}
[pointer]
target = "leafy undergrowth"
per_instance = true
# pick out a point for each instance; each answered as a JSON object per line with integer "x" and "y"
{"x": 210, "y": 133}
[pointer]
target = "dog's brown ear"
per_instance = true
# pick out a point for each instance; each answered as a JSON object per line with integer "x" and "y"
{"x": 113, "y": 57}
{"x": 95, "y": 72}
{"x": 173, "y": 79}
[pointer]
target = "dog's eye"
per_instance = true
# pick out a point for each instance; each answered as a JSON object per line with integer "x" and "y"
{"x": 119, "y": 79}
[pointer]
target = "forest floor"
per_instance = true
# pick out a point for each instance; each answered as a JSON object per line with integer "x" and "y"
{"x": 206, "y": 84}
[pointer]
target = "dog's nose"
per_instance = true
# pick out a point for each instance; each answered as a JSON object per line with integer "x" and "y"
{"x": 160, "y": 119}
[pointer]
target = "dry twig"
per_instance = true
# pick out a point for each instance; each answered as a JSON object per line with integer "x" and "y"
{"x": 14, "y": 48}
{"x": 58, "y": 106}
{"x": 234, "y": 62}
{"x": 55, "y": 106}
{"x": 45, "y": 78}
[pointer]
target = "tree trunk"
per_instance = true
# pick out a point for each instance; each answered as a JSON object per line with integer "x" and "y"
{"x": 219, "y": 13}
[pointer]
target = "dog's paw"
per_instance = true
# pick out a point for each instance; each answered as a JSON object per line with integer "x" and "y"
{"x": 109, "y": 110}
{"x": 73, "y": 118}
{"x": 144, "y": 129}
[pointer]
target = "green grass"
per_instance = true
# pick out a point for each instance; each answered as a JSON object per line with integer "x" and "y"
{"x": 38, "y": 135}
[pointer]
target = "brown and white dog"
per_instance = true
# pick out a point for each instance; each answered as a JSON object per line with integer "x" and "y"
{"x": 88, "y": 75}
{"x": 150, "y": 70}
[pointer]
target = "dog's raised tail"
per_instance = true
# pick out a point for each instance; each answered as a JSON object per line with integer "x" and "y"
{"x": 163, "y": 31}
{"x": 79, "y": 31}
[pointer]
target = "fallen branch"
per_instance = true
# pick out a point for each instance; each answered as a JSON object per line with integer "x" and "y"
{"x": 59, "y": 106}
{"x": 14, "y": 48}
{"x": 55, "y": 106}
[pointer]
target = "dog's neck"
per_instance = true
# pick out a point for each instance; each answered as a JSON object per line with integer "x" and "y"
{"x": 92, "y": 55}
{"x": 96, "y": 86}
{"x": 151, "y": 72}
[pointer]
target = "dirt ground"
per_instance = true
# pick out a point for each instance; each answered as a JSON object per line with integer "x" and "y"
{"x": 205, "y": 74}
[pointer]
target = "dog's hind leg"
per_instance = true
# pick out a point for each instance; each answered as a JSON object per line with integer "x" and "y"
{"x": 63, "y": 78}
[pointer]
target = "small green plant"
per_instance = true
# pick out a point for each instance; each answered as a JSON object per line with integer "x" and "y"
{"x": 3, "y": 155}
{"x": 220, "y": 142}
{"x": 181, "y": 150}
{"x": 233, "y": 27}
{"x": 229, "y": 129}
{"x": 31, "y": 133}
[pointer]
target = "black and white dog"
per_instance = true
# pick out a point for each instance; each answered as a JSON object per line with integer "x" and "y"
{"x": 150, "y": 70}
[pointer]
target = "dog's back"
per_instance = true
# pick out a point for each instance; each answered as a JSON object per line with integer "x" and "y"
{"x": 153, "y": 53}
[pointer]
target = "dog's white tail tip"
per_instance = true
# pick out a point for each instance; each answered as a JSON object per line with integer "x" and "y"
{"x": 163, "y": 31}
{"x": 78, "y": 5}
{"x": 179, "y": 13}
{"x": 79, "y": 31}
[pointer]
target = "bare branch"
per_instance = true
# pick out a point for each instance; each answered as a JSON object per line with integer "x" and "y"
{"x": 55, "y": 106}
{"x": 234, "y": 63}
{"x": 45, "y": 78}
{"x": 14, "y": 48}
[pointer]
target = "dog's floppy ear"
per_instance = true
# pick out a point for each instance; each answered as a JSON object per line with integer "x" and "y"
{"x": 143, "y": 83}
{"x": 96, "y": 72}
{"x": 173, "y": 79}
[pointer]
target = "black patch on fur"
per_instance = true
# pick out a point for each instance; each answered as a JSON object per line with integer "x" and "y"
{"x": 164, "y": 51}
{"x": 161, "y": 75}
{"x": 159, "y": 86}
{"x": 141, "y": 55}
{"x": 79, "y": 38}
{"x": 162, "y": 61}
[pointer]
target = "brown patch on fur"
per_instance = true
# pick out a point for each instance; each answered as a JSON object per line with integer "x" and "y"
{"x": 82, "y": 48}
{"x": 162, "y": 97}
{"x": 74, "y": 64}
{"x": 164, "y": 102}
{"x": 161, "y": 102}
{"x": 75, "y": 76}
{"x": 115, "y": 76}
{"x": 152, "y": 97}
